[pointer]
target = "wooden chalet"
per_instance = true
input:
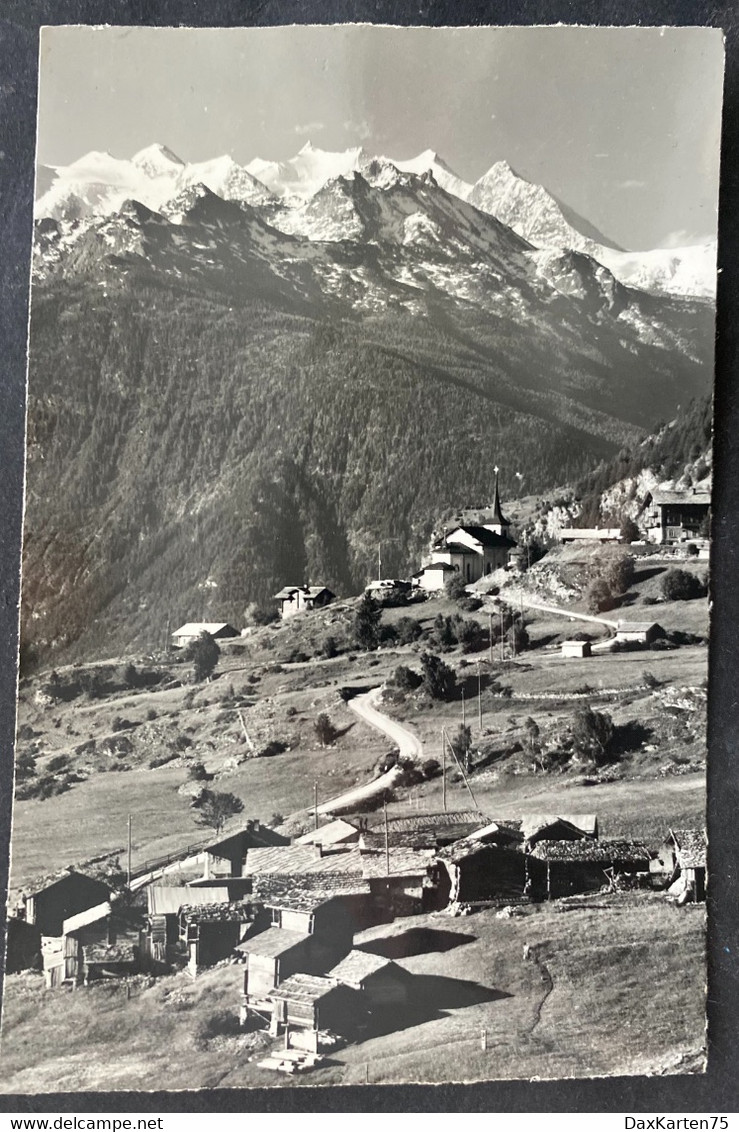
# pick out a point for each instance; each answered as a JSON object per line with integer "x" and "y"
{"x": 225, "y": 856}
{"x": 330, "y": 906}
{"x": 309, "y": 1005}
{"x": 638, "y": 632}
{"x": 576, "y": 649}
{"x": 52, "y": 901}
{"x": 674, "y": 516}
{"x": 680, "y": 864}
{"x": 556, "y": 827}
{"x": 211, "y": 932}
{"x": 400, "y": 881}
{"x": 582, "y": 866}
{"x": 300, "y": 599}
{"x": 474, "y": 872}
{"x": 384, "y": 984}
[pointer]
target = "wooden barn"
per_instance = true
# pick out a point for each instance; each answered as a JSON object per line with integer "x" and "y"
{"x": 187, "y": 634}
{"x": 108, "y": 960}
{"x": 334, "y": 907}
{"x": 211, "y": 932}
{"x": 271, "y": 957}
{"x": 400, "y": 881}
{"x": 576, "y": 649}
{"x": 638, "y": 632}
{"x": 680, "y": 865}
{"x": 312, "y": 1004}
{"x": 53, "y": 900}
{"x": 384, "y": 984}
{"x": 555, "y": 827}
{"x": 582, "y": 866}
{"x": 478, "y": 873}
{"x": 225, "y": 857}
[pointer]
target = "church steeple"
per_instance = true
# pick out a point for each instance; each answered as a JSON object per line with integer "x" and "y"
{"x": 498, "y": 519}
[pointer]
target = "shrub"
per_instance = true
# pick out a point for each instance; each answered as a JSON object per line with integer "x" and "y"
{"x": 329, "y": 648}
{"x": 439, "y": 680}
{"x": 58, "y": 764}
{"x": 204, "y": 653}
{"x": 198, "y": 773}
{"x": 130, "y": 676}
{"x": 592, "y": 733}
{"x": 405, "y": 679}
{"x": 649, "y": 679}
{"x": 599, "y": 596}
{"x": 629, "y": 531}
{"x": 455, "y": 587}
{"x": 325, "y": 731}
{"x": 367, "y": 623}
{"x": 470, "y": 635}
{"x": 274, "y": 747}
{"x": 151, "y": 714}
{"x": 680, "y": 585}
{"x": 408, "y": 630}
{"x": 431, "y": 768}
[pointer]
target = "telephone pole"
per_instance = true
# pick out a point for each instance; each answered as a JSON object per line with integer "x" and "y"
{"x": 464, "y": 719}
{"x": 128, "y": 881}
{"x": 387, "y": 842}
{"x": 479, "y": 695}
{"x": 315, "y": 805}
{"x": 443, "y": 769}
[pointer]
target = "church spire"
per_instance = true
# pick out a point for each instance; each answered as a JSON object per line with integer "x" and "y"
{"x": 498, "y": 518}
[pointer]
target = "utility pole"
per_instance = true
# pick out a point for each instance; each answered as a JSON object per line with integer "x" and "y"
{"x": 166, "y": 636}
{"x": 479, "y": 695}
{"x": 379, "y": 562}
{"x": 464, "y": 719}
{"x": 128, "y": 881}
{"x": 490, "y": 616}
{"x": 502, "y": 635}
{"x": 387, "y": 843}
{"x": 443, "y": 769}
{"x": 315, "y": 805}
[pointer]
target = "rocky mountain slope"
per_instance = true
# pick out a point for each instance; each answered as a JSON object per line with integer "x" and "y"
{"x": 97, "y": 184}
{"x": 218, "y": 407}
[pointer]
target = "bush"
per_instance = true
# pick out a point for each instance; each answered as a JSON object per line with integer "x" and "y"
{"x": 470, "y": 635}
{"x": 408, "y": 630}
{"x": 455, "y": 587}
{"x": 151, "y": 714}
{"x": 431, "y": 768}
{"x": 330, "y": 648}
{"x": 649, "y": 679}
{"x": 629, "y": 531}
{"x": 198, "y": 773}
{"x": 274, "y": 747}
{"x": 439, "y": 680}
{"x": 405, "y": 679}
{"x": 599, "y": 596}
{"x": 204, "y": 653}
{"x": 58, "y": 764}
{"x": 680, "y": 585}
{"x": 367, "y": 623}
{"x": 592, "y": 733}
{"x": 325, "y": 731}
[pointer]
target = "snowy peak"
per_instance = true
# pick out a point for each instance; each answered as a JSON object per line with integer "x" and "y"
{"x": 430, "y": 162}
{"x": 157, "y": 159}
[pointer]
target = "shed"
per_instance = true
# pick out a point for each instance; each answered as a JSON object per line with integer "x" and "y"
{"x": 53, "y": 900}
{"x": 399, "y": 887}
{"x": 471, "y": 872}
{"x": 105, "y": 961}
{"x": 272, "y": 956}
{"x": 590, "y": 534}
{"x": 226, "y": 855}
{"x": 585, "y": 865}
{"x": 556, "y": 827}
{"x": 218, "y": 630}
{"x": 334, "y": 907}
{"x": 639, "y": 632}
{"x": 680, "y": 864}
{"x": 211, "y": 932}
{"x": 61, "y": 960}
{"x": 312, "y": 1003}
{"x": 384, "y": 984}
{"x": 577, "y": 649}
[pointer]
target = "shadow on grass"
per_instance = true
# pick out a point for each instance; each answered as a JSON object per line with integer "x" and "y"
{"x": 416, "y": 941}
{"x": 431, "y": 997}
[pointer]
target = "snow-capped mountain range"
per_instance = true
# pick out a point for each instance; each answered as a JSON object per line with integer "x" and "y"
{"x": 307, "y": 197}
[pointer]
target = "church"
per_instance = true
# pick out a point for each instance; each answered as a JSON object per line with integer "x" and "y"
{"x": 470, "y": 551}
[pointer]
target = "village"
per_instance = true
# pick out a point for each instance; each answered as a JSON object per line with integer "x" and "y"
{"x": 329, "y": 934}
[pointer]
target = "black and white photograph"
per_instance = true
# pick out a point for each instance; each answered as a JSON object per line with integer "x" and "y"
{"x": 364, "y": 631}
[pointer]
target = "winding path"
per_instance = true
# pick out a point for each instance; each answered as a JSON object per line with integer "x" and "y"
{"x": 408, "y": 744}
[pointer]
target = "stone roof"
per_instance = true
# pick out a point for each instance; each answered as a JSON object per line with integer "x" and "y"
{"x": 403, "y": 863}
{"x": 294, "y": 860}
{"x": 599, "y": 852}
{"x": 691, "y": 847}
{"x": 358, "y": 966}
{"x": 272, "y": 942}
{"x": 304, "y": 988}
{"x": 304, "y": 893}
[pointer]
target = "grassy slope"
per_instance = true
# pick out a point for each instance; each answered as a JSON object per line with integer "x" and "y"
{"x": 599, "y": 997}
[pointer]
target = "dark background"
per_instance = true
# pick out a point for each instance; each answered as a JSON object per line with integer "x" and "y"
{"x": 718, "y": 1090}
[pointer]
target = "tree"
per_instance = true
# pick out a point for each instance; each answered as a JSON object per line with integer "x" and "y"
{"x": 217, "y": 807}
{"x": 439, "y": 680}
{"x": 616, "y": 569}
{"x": 681, "y": 585}
{"x": 25, "y": 766}
{"x": 518, "y": 638}
{"x": 599, "y": 596}
{"x": 592, "y": 733}
{"x": 629, "y": 531}
{"x": 204, "y": 653}
{"x": 325, "y": 730}
{"x": 455, "y": 587}
{"x": 405, "y": 679}
{"x": 198, "y": 773}
{"x": 461, "y": 744}
{"x": 443, "y": 634}
{"x": 367, "y": 623}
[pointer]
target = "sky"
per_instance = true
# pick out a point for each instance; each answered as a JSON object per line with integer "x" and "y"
{"x": 621, "y": 124}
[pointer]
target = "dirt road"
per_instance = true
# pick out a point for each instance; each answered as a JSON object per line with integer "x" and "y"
{"x": 408, "y": 744}
{"x": 520, "y": 597}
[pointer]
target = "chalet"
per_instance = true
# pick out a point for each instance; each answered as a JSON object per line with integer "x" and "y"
{"x": 384, "y": 984}
{"x": 64, "y": 955}
{"x": 555, "y": 827}
{"x": 472, "y": 872}
{"x": 271, "y": 957}
{"x": 590, "y": 534}
{"x": 314, "y": 1005}
{"x": 674, "y": 517}
{"x": 578, "y": 649}
{"x": 225, "y": 857}
{"x": 638, "y": 632}
{"x": 400, "y": 881}
{"x": 299, "y": 599}
{"x": 583, "y": 866}
{"x": 218, "y": 630}
{"x": 680, "y": 865}
{"x": 53, "y": 900}
{"x": 338, "y": 832}
{"x": 434, "y": 576}
{"x": 422, "y": 830}
{"x": 327, "y": 905}
{"x": 211, "y": 932}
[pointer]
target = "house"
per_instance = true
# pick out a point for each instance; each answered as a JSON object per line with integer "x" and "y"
{"x": 577, "y": 649}
{"x": 334, "y": 906}
{"x": 338, "y": 832}
{"x": 590, "y": 534}
{"x": 225, "y": 856}
{"x": 400, "y": 881}
{"x": 583, "y": 866}
{"x": 434, "y": 576}
{"x": 53, "y": 900}
{"x": 218, "y": 630}
{"x": 638, "y": 632}
{"x": 384, "y": 984}
{"x": 472, "y": 872}
{"x": 312, "y": 1004}
{"x": 421, "y": 830}
{"x": 299, "y": 599}
{"x": 676, "y": 516}
{"x": 211, "y": 932}
{"x": 163, "y": 911}
{"x": 680, "y": 865}
{"x": 270, "y": 957}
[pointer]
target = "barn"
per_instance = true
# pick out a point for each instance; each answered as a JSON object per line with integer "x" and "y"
{"x": 583, "y": 866}
{"x": 472, "y": 872}
{"x": 52, "y": 901}
{"x": 218, "y": 630}
{"x": 384, "y": 984}
{"x": 225, "y": 857}
{"x": 271, "y": 957}
{"x": 638, "y": 632}
{"x": 211, "y": 932}
{"x": 576, "y": 649}
{"x": 308, "y": 1005}
{"x": 333, "y": 907}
